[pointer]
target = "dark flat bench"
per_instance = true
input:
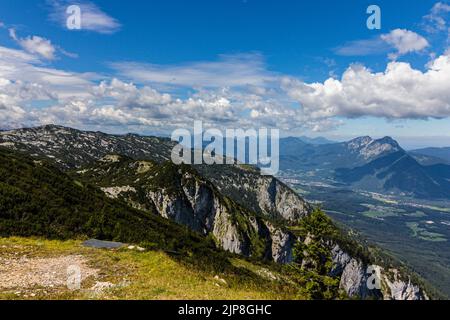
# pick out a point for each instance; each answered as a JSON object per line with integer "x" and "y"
{"x": 100, "y": 244}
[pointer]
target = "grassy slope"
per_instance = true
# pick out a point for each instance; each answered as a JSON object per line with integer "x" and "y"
{"x": 37, "y": 199}
{"x": 146, "y": 275}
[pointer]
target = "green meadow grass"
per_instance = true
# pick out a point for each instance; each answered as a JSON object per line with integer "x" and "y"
{"x": 150, "y": 275}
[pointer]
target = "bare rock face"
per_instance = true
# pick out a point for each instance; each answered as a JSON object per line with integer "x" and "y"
{"x": 175, "y": 209}
{"x": 340, "y": 261}
{"x": 282, "y": 245}
{"x": 277, "y": 200}
{"x": 264, "y": 195}
{"x": 402, "y": 290}
{"x": 369, "y": 149}
{"x": 355, "y": 280}
{"x": 193, "y": 205}
{"x": 228, "y": 235}
{"x": 182, "y": 195}
{"x": 197, "y": 205}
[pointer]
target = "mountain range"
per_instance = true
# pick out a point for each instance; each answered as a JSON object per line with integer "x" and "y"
{"x": 59, "y": 182}
{"x": 379, "y": 165}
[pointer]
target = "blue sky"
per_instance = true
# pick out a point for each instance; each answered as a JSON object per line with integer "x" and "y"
{"x": 150, "y": 66}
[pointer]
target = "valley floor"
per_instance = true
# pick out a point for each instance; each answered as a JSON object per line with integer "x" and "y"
{"x": 40, "y": 269}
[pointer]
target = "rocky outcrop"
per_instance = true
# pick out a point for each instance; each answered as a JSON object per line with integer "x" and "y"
{"x": 359, "y": 280}
{"x": 181, "y": 195}
{"x": 277, "y": 200}
{"x": 71, "y": 148}
{"x": 201, "y": 210}
{"x": 282, "y": 245}
{"x": 399, "y": 289}
{"x": 228, "y": 234}
{"x": 354, "y": 280}
{"x": 340, "y": 260}
{"x": 114, "y": 192}
{"x": 264, "y": 195}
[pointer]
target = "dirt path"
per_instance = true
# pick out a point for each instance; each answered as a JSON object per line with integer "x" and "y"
{"x": 24, "y": 273}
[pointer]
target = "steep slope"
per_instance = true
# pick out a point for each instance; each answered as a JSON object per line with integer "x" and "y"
{"x": 180, "y": 194}
{"x": 368, "y": 149}
{"x": 359, "y": 270}
{"x": 36, "y": 199}
{"x": 438, "y": 171}
{"x": 264, "y": 195}
{"x": 399, "y": 173}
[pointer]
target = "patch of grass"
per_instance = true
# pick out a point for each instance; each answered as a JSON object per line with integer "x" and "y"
{"x": 379, "y": 215}
{"x": 423, "y": 234}
{"x": 417, "y": 214}
{"x": 150, "y": 275}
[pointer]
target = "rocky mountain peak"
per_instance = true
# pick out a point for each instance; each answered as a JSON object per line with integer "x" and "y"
{"x": 370, "y": 149}
{"x": 380, "y": 147}
{"x": 388, "y": 140}
{"x": 359, "y": 142}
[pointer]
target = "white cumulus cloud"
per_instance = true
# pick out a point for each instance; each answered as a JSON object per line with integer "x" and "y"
{"x": 400, "y": 92}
